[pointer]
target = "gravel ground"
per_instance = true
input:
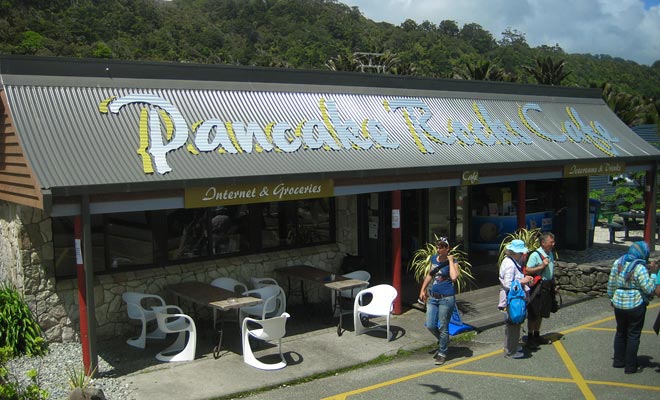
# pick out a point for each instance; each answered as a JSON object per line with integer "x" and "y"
{"x": 53, "y": 369}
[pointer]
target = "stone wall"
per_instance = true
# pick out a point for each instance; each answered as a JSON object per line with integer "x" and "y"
{"x": 26, "y": 260}
{"x": 588, "y": 279}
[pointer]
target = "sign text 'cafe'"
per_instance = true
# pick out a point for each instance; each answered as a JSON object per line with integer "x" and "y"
{"x": 329, "y": 132}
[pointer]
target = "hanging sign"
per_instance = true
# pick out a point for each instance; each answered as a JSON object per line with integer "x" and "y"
{"x": 469, "y": 178}
{"x": 605, "y": 168}
{"x": 223, "y": 195}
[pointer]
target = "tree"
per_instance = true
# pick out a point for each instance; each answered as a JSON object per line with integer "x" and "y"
{"x": 482, "y": 71}
{"x": 513, "y": 37}
{"x": 631, "y": 109}
{"x": 449, "y": 28}
{"x": 547, "y": 72}
{"x": 31, "y": 43}
{"x": 477, "y": 37}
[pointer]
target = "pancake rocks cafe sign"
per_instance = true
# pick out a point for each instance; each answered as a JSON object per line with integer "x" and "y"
{"x": 162, "y": 128}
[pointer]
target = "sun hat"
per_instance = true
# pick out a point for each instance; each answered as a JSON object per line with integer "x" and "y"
{"x": 517, "y": 246}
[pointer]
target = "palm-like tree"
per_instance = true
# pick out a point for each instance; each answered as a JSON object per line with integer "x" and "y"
{"x": 631, "y": 109}
{"x": 547, "y": 72}
{"x": 481, "y": 71}
{"x": 379, "y": 63}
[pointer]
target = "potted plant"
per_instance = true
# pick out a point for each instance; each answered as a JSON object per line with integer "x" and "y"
{"x": 531, "y": 237}
{"x": 420, "y": 264}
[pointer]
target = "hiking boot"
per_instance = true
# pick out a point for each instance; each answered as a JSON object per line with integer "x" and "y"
{"x": 439, "y": 359}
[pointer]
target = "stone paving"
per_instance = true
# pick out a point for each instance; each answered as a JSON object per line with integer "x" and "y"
{"x": 602, "y": 250}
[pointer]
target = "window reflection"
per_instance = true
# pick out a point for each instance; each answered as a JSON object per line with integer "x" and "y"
{"x": 144, "y": 239}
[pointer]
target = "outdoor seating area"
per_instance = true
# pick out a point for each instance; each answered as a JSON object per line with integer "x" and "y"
{"x": 626, "y": 222}
{"x": 198, "y": 313}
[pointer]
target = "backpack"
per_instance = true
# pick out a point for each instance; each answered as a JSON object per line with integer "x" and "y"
{"x": 516, "y": 304}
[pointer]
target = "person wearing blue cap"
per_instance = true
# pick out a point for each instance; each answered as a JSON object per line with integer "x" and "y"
{"x": 630, "y": 287}
{"x": 510, "y": 269}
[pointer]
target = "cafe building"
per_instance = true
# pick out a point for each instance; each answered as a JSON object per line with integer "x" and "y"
{"x": 129, "y": 176}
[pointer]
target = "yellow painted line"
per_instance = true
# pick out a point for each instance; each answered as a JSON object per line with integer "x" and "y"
{"x": 626, "y": 385}
{"x": 343, "y": 396}
{"x": 510, "y": 376}
{"x": 614, "y": 330}
{"x": 585, "y": 326}
{"x": 572, "y": 369}
{"x": 577, "y": 377}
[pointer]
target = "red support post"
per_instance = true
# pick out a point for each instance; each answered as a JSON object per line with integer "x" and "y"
{"x": 82, "y": 294}
{"x": 396, "y": 249}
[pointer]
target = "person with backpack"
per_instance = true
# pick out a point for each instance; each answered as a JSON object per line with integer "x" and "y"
{"x": 630, "y": 288}
{"x": 541, "y": 264}
{"x": 511, "y": 279}
{"x": 440, "y": 300}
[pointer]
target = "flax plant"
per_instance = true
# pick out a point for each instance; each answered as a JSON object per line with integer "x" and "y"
{"x": 420, "y": 264}
{"x": 78, "y": 379}
{"x": 531, "y": 237}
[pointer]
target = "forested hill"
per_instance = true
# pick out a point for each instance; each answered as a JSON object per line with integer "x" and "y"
{"x": 316, "y": 34}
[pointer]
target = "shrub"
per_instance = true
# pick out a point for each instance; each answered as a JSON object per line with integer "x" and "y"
{"x": 11, "y": 389}
{"x": 19, "y": 332}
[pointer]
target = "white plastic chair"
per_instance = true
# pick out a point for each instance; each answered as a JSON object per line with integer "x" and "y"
{"x": 380, "y": 306}
{"x": 261, "y": 282}
{"x": 270, "y": 329}
{"x": 350, "y": 293}
{"x": 137, "y": 311}
{"x": 182, "y": 324}
{"x": 230, "y": 284}
{"x": 274, "y": 302}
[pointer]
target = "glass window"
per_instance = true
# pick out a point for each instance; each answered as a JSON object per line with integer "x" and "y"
{"x": 230, "y": 227}
{"x": 129, "y": 239}
{"x": 188, "y": 233}
{"x": 145, "y": 239}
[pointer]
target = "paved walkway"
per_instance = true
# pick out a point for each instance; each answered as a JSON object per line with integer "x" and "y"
{"x": 313, "y": 349}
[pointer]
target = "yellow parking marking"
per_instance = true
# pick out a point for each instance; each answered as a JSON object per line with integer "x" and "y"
{"x": 343, "y": 396}
{"x": 614, "y": 330}
{"x": 626, "y": 385}
{"x": 576, "y": 376}
{"x": 510, "y": 376}
{"x": 573, "y": 370}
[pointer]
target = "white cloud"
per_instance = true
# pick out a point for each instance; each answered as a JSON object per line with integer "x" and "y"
{"x": 620, "y": 28}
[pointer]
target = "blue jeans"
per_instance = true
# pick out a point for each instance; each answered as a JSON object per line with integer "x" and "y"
{"x": 629, "y": 325}
{"x": 438, "y": 315}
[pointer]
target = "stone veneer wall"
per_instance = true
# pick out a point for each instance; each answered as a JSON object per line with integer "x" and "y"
{"x": 26, "y": 260}
{"x": 589, "y": 279}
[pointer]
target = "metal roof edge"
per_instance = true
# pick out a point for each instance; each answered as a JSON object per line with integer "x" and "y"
{"x": 120, "y": 69}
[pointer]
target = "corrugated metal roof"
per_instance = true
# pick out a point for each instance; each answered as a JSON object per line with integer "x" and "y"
{"x": 74, "y": 147}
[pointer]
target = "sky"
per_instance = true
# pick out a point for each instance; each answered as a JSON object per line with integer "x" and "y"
{"x": 629, "y": 29}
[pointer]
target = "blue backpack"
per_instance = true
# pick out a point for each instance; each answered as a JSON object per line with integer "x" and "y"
{"x": 516, "y": 304}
